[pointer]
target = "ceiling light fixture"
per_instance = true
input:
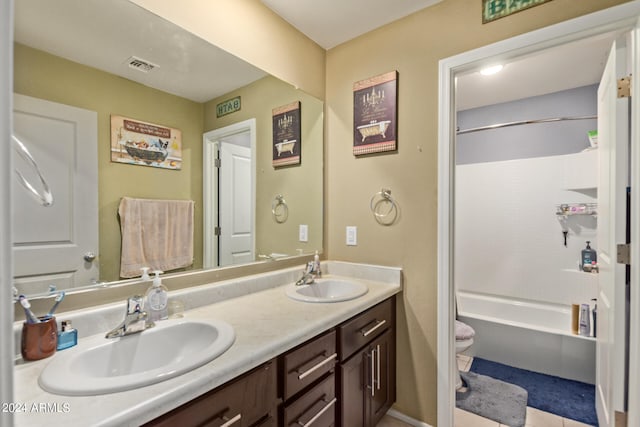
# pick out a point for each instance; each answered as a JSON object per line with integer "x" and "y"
{"x": 491, "y": 70}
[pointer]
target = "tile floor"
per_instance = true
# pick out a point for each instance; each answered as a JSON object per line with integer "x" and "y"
{"x": 535, "y": 417}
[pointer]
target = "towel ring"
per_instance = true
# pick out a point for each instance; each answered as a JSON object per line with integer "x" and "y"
{"x": 279, "y": 209}
{"x": 45, "y": 198}
{"x": 385, "y": 208}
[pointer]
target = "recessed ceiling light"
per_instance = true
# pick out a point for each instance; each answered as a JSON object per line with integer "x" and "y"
{"x": 491, "y": 70}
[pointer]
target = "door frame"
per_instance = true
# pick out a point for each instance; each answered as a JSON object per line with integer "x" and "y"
{"x": 210, "y": 142}
{"x": 6, "y": 175}
{"x": 620, "y": 17}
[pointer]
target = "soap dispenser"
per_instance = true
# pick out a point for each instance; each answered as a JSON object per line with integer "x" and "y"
{"x": 156, "y": 299}
{"x": 316, "y": 264}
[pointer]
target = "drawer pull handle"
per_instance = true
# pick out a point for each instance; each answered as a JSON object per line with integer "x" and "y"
{"x": 318, "y": 366}
{"x": 231, "y": 421}
{"x": 378, "y": 324}
{"x": 373, "y": 373}
{"x": 319, "y": 414}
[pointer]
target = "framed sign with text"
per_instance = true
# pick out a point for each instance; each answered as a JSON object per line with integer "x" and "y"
{"x": 136, "y": 142}
{"x": 287, "y": 145}
{"x": 375, "y": 114}
{"x": 496, "y": 9}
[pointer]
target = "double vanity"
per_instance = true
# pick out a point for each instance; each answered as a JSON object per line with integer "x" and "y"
{"x": 252, "y": 351}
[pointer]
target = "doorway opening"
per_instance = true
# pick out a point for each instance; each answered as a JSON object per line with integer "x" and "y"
{"x": 595, "y": 27}
{"x": 229, "y": 195}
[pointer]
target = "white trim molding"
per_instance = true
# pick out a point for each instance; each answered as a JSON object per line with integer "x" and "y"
{"x": 406, "y": 419}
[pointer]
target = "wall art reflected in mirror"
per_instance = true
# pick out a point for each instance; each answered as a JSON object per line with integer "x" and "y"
{"x": 77, "y": 64}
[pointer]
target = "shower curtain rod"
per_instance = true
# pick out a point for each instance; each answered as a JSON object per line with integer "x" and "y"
{"x": 524, "y": 122}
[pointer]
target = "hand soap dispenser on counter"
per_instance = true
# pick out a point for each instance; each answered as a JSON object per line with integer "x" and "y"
{"x": 156, "y": 299}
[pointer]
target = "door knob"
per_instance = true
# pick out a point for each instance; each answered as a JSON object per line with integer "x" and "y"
{"x": 89, "y": 256}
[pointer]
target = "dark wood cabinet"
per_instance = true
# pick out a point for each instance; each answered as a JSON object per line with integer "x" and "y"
{"x": 367, "y": 377}
{"x": 250, "y": 400}
{"x": 316, "y": 407}
{"x": 345, "y": 377}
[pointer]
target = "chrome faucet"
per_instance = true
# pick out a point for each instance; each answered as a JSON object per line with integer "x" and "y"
{"x": 135, "y": 320}
{"x": 310, "y": 274}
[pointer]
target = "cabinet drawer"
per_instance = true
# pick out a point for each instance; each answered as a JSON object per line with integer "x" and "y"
{"x": 316, "y": 408}
{"x": 358, "y": 331}
{"x": 307, "y": 363}
{"x": 239, "y": 403}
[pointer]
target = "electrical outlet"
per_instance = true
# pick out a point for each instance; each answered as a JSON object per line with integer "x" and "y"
{"x": 303, "y": 233}
{"x": 352, "y": 235}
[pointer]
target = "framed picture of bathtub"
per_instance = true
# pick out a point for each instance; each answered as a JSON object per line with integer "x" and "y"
{"x": 287, "y": 145}
{"x": 375, "y": 114}
{"x": 135, "y": 142}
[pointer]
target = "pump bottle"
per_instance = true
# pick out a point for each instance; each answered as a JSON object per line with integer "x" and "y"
{"x": 156, "y": 299}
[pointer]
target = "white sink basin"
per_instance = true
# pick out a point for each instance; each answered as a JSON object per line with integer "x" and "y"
{"x": 98, "y": 365}
{"x": 327, "y": 290}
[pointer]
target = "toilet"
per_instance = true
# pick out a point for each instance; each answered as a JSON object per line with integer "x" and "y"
{"x": 464, "y": 340}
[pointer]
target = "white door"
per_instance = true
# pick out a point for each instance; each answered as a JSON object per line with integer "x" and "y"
{"x": 64, "y": 142}
{"x": 613, "y": 154}
{"x": 236, "y": 205}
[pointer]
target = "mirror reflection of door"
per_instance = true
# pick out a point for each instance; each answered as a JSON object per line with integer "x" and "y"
{"x": 53, "y": 245}
{"x": 229, "y": 195}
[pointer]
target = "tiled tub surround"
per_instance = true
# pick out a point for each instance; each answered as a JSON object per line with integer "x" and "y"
{"x": 266, "y": 322}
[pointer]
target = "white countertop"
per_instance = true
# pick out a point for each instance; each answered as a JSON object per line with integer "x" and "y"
{"x": 266, "y": 322}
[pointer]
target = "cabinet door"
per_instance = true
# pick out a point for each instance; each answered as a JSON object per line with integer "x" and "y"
{"x": 353, "y": 382}
{"x": 381, "y": 362}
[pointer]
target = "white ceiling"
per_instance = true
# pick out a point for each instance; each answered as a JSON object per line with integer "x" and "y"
{"x": 332, "y": 22}
{"x": 103, "y": 34}
{"x": 568, "y": 66}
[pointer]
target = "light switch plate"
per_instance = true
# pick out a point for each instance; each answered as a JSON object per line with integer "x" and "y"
{"x": 352, "y": 235}
{"x": 303, "y": 233}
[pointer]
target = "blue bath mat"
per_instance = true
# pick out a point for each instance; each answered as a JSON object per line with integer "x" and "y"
{"x": 566, "y": 398}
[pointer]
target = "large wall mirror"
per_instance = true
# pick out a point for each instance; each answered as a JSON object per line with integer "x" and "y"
{"x": 84, "y": 61}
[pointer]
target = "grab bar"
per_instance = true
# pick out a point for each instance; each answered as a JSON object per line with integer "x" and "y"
{"x": 45, "y": 198}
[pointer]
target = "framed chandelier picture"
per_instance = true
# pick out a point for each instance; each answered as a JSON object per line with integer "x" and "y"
{"x": 286, "y": 127}
{"x": 375, "y": 114}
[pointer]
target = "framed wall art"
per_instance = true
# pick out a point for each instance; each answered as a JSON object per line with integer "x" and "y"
{"x": 375, "y": 114}
{"x": 147, "y": 144}
{"x": 287, "y": 145}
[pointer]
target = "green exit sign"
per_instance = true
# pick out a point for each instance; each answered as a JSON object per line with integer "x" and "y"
{"x": 227, "y": 107}
{"x": 495, "y": 9}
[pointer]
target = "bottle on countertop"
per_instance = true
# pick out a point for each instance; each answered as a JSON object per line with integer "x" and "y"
{"x": 156, "y": 299}
{"x": 316, "y": 264}
{"x": 67, "y": 337}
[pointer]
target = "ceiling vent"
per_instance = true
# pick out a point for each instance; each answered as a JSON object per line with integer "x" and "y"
{"x": 141, "y": 64}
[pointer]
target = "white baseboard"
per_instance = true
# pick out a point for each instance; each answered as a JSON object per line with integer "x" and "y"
{"x": 405, "y": 418}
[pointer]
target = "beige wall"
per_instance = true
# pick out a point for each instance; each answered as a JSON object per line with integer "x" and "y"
{"x": 45, "y": 76}
{"x": 413, "y": 46}
{"x": 300, "y": 185}
{"x": 251, "y": 31}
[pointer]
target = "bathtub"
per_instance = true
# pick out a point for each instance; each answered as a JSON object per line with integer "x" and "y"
{"x": 528, "y": 335}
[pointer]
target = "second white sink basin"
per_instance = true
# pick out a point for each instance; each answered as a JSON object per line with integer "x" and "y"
{"x": 99, "y": 365}
{"x": 327, "y": 290}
